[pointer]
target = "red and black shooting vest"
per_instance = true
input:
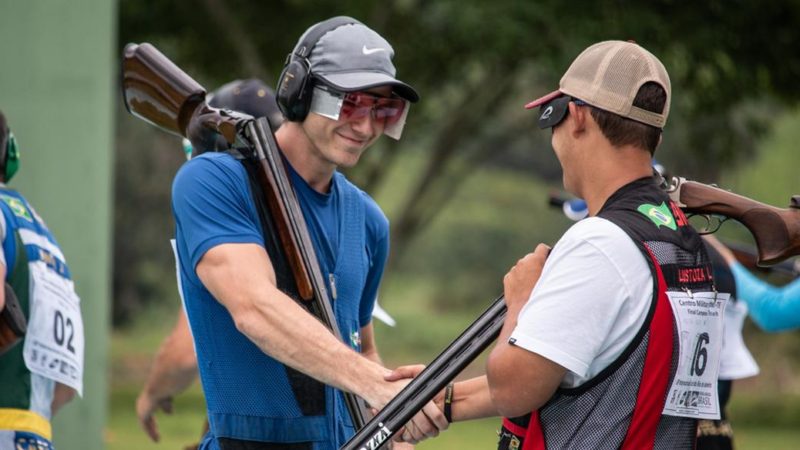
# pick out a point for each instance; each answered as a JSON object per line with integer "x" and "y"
{"x": 621, "y": 407}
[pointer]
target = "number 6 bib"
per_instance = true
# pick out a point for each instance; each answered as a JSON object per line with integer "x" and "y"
{"x": 54, "y": 341}
{"x": 699, "y": 320}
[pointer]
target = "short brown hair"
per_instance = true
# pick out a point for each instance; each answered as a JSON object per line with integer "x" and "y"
{"x": 621, "y": 131}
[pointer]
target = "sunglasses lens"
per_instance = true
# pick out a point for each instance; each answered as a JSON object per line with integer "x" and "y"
{"x": 357, "y": 105}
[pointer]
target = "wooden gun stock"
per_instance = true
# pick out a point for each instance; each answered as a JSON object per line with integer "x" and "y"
{"x": 156, "y": 90}
{"x": 159, "y": 92}
{"x": 776, "y": 230}
{"x": 12, "y": 321}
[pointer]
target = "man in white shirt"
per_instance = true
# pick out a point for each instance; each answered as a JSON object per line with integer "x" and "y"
{"x": 595, "y": 341}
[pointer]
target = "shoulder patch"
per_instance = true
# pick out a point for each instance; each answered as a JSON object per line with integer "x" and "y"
{"x": 659, "y": 215}
{"x": 17, "y": 207}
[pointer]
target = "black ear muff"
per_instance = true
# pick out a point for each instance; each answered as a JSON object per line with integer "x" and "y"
{"x": 294, "y": 93}
{"x": 11, "y": 157}
{"x": 295, "y": 85}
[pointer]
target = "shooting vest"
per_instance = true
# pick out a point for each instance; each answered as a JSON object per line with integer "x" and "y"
{"x": 255, "y": 401}
{"x": 52, "y": 349}
{"x": 624, "y": 405}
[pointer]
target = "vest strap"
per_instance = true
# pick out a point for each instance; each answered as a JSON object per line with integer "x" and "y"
{"x": 514, "y": 428}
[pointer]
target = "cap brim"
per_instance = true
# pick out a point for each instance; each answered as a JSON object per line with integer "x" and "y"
{"x": 359, "y": 81}
{"x": 542, "y": 100}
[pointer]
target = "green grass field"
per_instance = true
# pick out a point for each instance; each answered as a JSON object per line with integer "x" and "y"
{"x": 761, "y": 418}
{"x": 184, "y": 427}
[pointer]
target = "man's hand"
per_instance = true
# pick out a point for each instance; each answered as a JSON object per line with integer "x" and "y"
{"x": 405, "y": 372}
{"x": 146, "y": 406}
{"x": 520, "y": 280}
{"x": 427, "y": 423}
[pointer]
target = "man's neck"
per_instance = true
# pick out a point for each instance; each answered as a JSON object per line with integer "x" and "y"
{"x": 297, "y": 148}
{"x": 613, "y": 169}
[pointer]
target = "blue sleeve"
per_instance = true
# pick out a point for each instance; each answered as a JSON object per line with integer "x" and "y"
{"x": 212, "y": 205}
{"x": 771, "y": 308}
{"x": 377, "y": 229}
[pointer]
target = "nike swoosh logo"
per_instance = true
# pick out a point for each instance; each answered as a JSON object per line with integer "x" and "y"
{"x": 369, "y": 51}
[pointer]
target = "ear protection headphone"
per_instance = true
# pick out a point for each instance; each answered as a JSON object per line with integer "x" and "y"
{"x": 10, "y": 156}
{"x": 295, "y": 85}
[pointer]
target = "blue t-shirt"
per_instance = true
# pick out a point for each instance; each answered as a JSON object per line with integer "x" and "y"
{"x": 212, "y": 204}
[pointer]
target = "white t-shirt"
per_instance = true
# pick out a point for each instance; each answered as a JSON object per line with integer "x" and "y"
{"x": 592, "y": 298}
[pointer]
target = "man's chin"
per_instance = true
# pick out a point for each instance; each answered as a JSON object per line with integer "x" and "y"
{"x": 349, "y": 156}
{"x": 348, "y": 162}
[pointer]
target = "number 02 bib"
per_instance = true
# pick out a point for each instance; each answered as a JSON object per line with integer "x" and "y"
{"x": 699, "y": 319}
{"x": 54, "y": 341}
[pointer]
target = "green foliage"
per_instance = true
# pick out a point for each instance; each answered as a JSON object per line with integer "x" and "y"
{"x": 772, "y": 177}
{"x": 733, "y": 67}
{"x": 144, "y": 274}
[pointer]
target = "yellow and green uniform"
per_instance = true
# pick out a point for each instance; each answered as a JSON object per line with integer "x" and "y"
{"x": 52, "y": 350}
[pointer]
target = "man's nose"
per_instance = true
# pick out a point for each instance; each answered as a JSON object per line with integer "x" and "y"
{"x": 365, "y": 125}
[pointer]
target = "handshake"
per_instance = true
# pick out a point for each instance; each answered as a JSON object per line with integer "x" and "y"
{"x": 431, "y": 419}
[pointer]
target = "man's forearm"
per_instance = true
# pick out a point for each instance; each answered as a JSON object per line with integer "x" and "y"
{"x": 472, "y": 400}
{"x": 241, "y": 277}
{"x": 167, "y": 379}
{"x": 286, "y": 332}
{"x": 175, "y": 365}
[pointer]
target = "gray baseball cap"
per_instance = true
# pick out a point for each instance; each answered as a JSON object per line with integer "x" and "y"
{"x": 353, "y": 57}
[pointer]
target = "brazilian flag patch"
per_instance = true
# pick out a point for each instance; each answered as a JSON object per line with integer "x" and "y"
{"x": 659, "y": 215}
{"x": 355, "y": 339}
{"x": 17, "y": 207}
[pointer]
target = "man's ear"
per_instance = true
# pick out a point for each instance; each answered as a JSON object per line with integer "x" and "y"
{"x": 578, "y": 116}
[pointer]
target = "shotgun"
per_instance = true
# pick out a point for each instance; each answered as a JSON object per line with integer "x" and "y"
{"x": 159, "y": 92}
{"x": 776, "y": 230}
{"x": 746, "y": 254}
{"x": 777, "y": 233}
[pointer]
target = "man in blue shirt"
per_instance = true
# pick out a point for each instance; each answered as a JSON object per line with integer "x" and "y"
{"x": 272, "y": 374}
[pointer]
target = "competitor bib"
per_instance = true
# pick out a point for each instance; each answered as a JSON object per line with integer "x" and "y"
{"x": 699, "y": 319}
{"x": 54, "y": 341}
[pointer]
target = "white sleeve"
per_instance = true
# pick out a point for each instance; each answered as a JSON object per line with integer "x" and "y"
{"x": 591, "y": 300}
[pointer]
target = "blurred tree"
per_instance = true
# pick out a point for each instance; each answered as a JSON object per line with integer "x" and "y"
{"x": 475, "y": 63}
